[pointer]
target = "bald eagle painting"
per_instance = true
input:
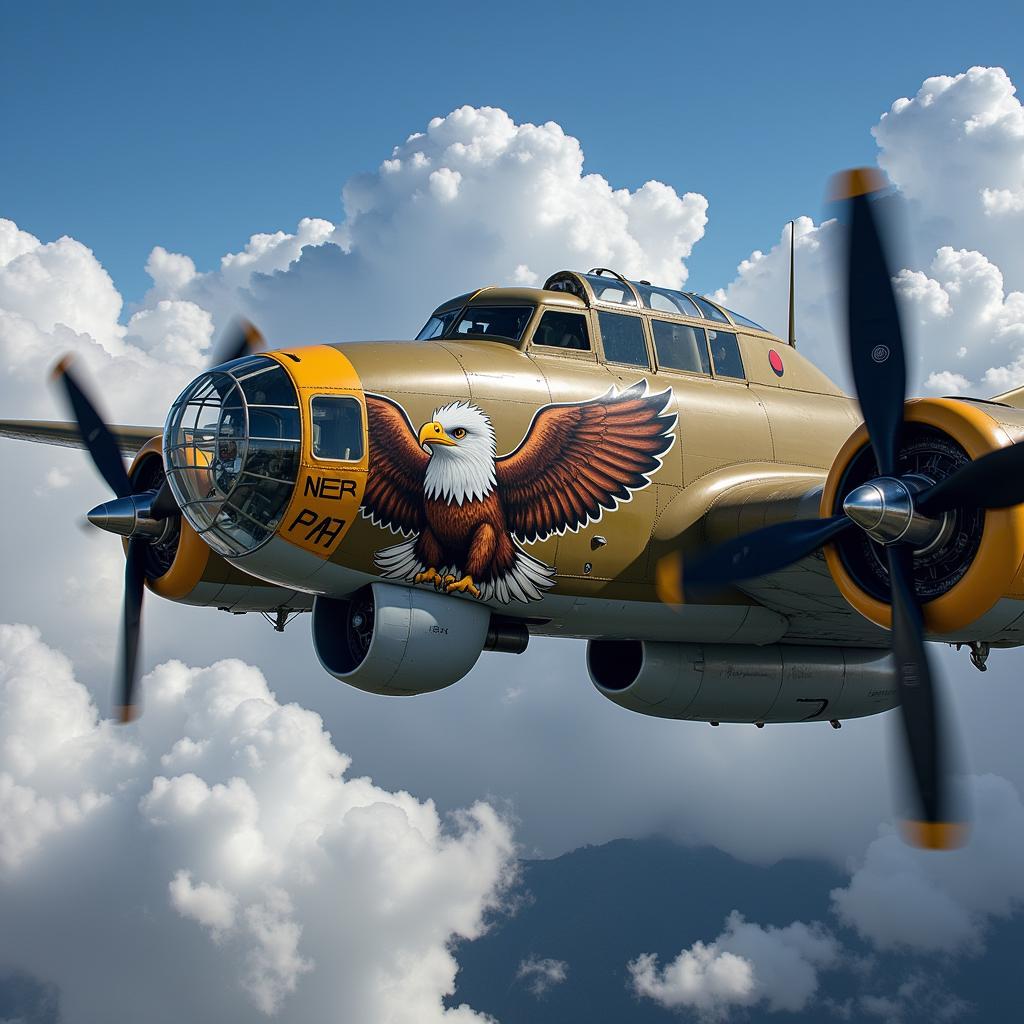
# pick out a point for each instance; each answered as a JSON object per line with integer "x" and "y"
{"x": 466, "y": 511}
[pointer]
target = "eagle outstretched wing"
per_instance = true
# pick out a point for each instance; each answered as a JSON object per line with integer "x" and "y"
{"x": 394, "y": 486}
{"x": 579, "y": 459}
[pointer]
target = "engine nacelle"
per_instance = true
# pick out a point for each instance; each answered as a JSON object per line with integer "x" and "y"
{"x": 977, "y": 557}
{"x": 182, "y": 568}
{"x": 399, "y": 641}
{"x": 733, "y": 683}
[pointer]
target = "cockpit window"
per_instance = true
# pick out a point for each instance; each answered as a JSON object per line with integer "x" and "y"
{"x": 666, "y": 300}
{"x": 710, "y": 312}
{"x": 725, "y": 351}
{"x": 337, "y": 428}
{"x": 438, "y": 324}
{"x": 681, "y": 347}
{"x": 505, "y": 322}
{"x": 610, "y": 289}
{"x": 743, "y": 321}
{"x": 623, "y": 339}
{"x": 563, "y": 330}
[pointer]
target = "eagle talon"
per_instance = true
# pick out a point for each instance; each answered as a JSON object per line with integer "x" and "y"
{"x": 430, "y": 576}
{"x": 463, "y": 586}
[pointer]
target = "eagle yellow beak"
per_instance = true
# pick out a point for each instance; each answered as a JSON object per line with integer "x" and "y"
{"x": 433, "y": 433}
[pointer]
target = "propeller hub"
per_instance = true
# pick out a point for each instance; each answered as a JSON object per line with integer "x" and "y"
{"x": 131, "y": 516}
{"x": 884, "y": 509}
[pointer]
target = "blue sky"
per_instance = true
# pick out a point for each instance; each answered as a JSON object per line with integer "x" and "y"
{"x": 194, "y": 126}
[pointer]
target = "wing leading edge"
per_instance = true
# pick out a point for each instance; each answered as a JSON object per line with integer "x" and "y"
{"x": 65, "y": 433}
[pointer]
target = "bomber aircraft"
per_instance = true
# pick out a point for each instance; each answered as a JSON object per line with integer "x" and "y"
{"x": 603, "y": 459}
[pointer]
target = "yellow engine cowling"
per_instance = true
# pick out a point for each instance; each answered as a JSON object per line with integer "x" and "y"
{"x": 990, "y": 546}
{"x": 190, "y": 573}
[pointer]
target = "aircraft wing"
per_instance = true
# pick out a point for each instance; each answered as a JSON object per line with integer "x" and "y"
{"x": 65, "y": 433}
{"x": 738, "y": 499}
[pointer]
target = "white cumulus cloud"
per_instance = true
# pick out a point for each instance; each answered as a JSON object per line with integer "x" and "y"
{"x": 502, "y": 202}
{"x": 902, "y": 897}
{"x": 956, "y": 150}
{"x": 747, "y": 964}
{"x": 955, "y": 153}
{"x": 278, "y": 882}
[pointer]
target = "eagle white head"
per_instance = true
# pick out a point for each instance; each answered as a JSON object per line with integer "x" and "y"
{"x": 462, "y": 448}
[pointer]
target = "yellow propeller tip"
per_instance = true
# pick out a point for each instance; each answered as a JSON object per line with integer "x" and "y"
{"x": 668, "y": 578}
{"x": 252, "y": 335}
{"x": 859, "y": 181}
{"x": 61, "y": 366}
{"x": 935, "y": 835}
{"x": 127, "y": 713}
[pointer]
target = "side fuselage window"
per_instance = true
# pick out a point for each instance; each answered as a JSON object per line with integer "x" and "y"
{"x": 681, "y": 347}
{"x": 623, "y": 339}
{"x": 563, "y": 330}
{"x": 337, "y": 428}
{"x": 725, "y": 351}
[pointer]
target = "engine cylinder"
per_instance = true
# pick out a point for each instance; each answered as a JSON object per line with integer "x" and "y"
{"x": 976, "y": 558}
{"x": 398, "y": 641}
{"x": 733, "y": 683}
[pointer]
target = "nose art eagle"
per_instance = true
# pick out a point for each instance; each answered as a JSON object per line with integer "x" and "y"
{"x": 466, "y": 511}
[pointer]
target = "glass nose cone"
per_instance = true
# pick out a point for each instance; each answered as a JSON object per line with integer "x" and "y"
{"x": 232, "y": 447}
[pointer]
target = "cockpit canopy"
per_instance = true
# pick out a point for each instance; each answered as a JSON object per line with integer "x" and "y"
{"x": 503, "y": 314}
{"x": 604, "y": 286}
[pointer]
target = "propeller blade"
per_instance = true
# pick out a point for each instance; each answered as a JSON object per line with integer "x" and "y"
{"x": 927, "y": 751}
{"x": 164, "y": 506}
{"x": 877, "y": 353}
{"x": 757, "y": 553}
{"x": 134, "y": 588}
{"x": 240, "y": 339}
{"x": 996, "y": 480}
{"x": 100, "y": 442}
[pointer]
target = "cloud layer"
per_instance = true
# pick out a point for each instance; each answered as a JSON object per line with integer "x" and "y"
{"x": 224, "y": 832}
{"x": 500, "y": 202}
{"x": 746, "y": 965}
{"x": 955, "y": 153}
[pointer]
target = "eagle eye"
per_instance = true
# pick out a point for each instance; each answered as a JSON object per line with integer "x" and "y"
{"x": 459, "y": 433}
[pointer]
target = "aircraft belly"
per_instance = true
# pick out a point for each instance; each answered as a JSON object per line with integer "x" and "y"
{"x": 591, "y": 617}
{"x": 282, "y": 563}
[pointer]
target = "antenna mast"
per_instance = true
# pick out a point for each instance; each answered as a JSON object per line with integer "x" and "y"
{"x": 792, "y": 280}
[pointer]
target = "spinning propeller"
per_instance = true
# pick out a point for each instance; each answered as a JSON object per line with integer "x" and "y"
{"x": 900, "y": 513}
{"x": 141, "y": 517}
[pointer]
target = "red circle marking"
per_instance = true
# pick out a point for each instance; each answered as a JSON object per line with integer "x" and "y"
{"x": 775, "y": 360}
